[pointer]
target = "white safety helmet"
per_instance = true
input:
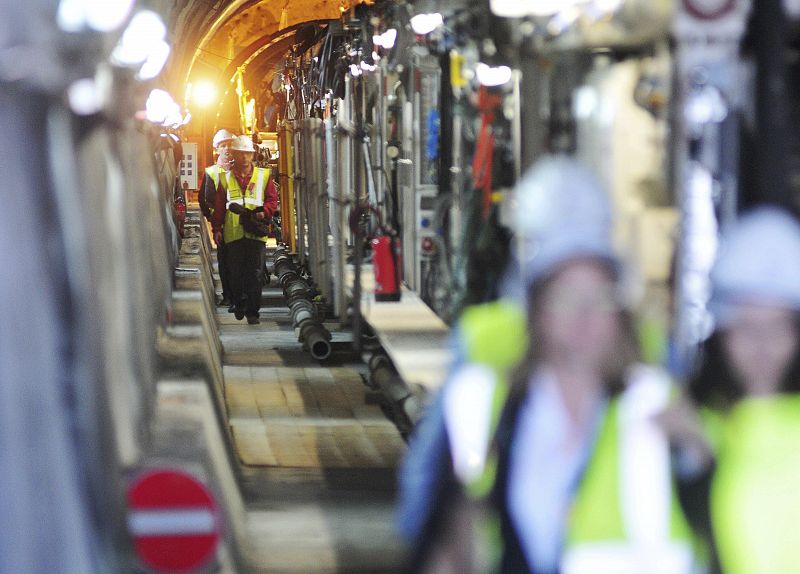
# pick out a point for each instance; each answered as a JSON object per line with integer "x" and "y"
{"x": 243, "y": 143}
{"x": 758, "y": 262}
{"x": 562, "y": 213}
{"x": 221, "y": 136}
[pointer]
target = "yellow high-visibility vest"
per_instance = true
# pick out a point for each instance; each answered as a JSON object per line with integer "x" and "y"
{"x": 755, "y": 501}
{"x": 250, "y": 198}
{"x": 625, "y": 516}
{"x": 214, "y": 172}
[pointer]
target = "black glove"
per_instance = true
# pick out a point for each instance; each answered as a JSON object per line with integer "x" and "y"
{"x": 237, "y": 209}
{"x": 254, "y": 226}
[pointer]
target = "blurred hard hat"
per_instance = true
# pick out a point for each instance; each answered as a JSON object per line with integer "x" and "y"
{"x": 221, "y": 136}
{"x": 758, "y": 262}
{"x": 243, "y": 143}
{"x": 563, "y": 213}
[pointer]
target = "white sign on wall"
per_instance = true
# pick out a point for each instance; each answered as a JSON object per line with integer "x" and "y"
{"x": 188, "y": 168}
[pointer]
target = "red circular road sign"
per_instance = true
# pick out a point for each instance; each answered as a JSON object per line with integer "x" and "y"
{"x": 174, "y": 521}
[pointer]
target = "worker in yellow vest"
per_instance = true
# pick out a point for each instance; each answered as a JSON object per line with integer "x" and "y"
{"x": 748, "y": 390}
{"x": 557, "y": 464}
{"x": 245, "y": 200}
{"x": 211, "y": 180}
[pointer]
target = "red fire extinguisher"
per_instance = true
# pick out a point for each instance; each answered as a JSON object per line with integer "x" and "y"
{"x": 387, "y": 265}
{"x": 180, "y": 209}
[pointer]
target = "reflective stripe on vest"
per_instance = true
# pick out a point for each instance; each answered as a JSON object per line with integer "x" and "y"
{"x": 626, "y": 517}
{"x": 252, "y": 198}
{"x": 494, "y": 338}
{"x": 472, "y": 403}
{"x": 755, "y": 501}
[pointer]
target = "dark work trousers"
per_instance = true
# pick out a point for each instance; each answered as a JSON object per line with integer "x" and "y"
{"x": 224, "y": 272}
{"x": 245, "y": 265}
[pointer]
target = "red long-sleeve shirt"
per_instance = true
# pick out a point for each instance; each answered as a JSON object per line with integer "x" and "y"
{"x": 221, "y": 200}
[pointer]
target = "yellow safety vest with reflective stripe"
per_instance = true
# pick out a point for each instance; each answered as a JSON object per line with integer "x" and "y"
{"x": 624, "y": 514}
{"x": 214, "y": 171}
{"x": 755, "y": 499}
{"x": 494, "y": 339}
{"x": 250, "y": 198}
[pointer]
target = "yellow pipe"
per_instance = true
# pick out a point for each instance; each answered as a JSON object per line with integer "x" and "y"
{"x": 287, "y": 186}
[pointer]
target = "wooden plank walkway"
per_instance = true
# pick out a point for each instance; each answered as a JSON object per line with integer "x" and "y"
{"x": 318, "y": 457}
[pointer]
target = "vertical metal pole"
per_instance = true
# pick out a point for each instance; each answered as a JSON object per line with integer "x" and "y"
{"x": 516, "y": 124}
{"x": 344, "y": 186}
{"x": 358, "y": 165}
{"x": 300, "y": 192}
{"x": 379, "y": 140}
{"x": 331, "y": 157}
{"x": 706, "y": 101}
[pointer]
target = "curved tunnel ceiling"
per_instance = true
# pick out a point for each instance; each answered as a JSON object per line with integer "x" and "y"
{"x": 212, "y": 38}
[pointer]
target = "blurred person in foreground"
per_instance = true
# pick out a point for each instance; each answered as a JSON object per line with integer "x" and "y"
{"x": 743, "y": 450}
{"x": 554, "y": 464}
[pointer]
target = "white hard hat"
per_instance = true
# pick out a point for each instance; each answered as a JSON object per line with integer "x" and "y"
{"x": 221, "y": 136}
{"x": 243, "y": 143}
{"x": 758, "y": 262}
{"x": 563, "y": 213}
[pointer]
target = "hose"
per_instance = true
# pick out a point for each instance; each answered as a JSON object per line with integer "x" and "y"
{"x": 314, "y": 336}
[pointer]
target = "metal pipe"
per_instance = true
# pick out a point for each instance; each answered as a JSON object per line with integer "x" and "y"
{"x": 297, "y": 289}
{"x": 316, "y": 339}
{"x": 332, "y": 187}
{"x": 288, "y": 278}
{"x": 302, "y": 310}
{"x": 283, "y": 266}
{"x": 384, "y": 377}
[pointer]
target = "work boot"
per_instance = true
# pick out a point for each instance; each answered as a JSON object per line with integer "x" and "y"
{"x": 224, "y": 302}
{"x": 232, "y": 308}
{"x": 238, "y": 313}
{"x": 253, "y": 320}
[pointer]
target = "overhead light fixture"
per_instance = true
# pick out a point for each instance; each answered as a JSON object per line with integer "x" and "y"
{"x": 387, "y": 39}
{"x": 174, "y": 117}
{"x": 155, "y": 61}
{"x": 508, "y": 8}
{"x": 99, "y": 15}
{"x": 145, "y": 30}
{"x": 608, "y": 6}
{"x": 424, "y": 24}
{"x": 84, "y": 97}
{"x": 143, "y": 44}
{"x": 522, "y": 8}
{"x": 491, "y": 76}
{"x": 204, "y": 93}
{"x": 160, "y": 107}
